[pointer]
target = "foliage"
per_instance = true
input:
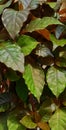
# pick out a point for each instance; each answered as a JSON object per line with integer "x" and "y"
{"x": 32, "y": 64}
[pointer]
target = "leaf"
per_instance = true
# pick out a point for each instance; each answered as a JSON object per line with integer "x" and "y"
{"x": 46, "y": 110}
{"x": 39, "y": 23}
{"x": 32, "y": 4}
{"x": 58, "y": 120}
{"x": 11, "y": 56}
{"x": 13, "y": 20}
{"x": 27, "y": 44}
{"x": 34, "y": 78}
{"x": 5, "y": 98}
{"x": 55, "y": 41}
{"x": 25, "y": 3}
{"x": 43, "y": 126}
{"x": 43, "y": 51}
{"x": 27, "y": 122}
{"x": 5, "y": 5}
{"x": 45, "y": 33}
{"x": 59, "y": 30}
{"x": 3, "y": 122}
{"x": 52, "y": 4}
{"x": 12, "y": 75}
{"x": 61, "y": 62}
{"x": 56, "y": 80}
{"x": 4, "y": 108}
{"x": 13, "y": 123}
{"x": 22, "y": 90}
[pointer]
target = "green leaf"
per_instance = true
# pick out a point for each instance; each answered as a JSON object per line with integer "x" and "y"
{"x": 3, "y": 122}
{"x": 13, "y": 123}
{"x": 5, "y": 5}
{"x": 34, "y": 78}
{"x": 13, "y": 20}
{"x": 52, "y": 4}
{"x": 61, "y": 62}
{"x": 58, "y": 120}
{"x": 12, "y": 75}
{"x": 41, "y": 23}
{"x": 46, "y": 110}
{"x": 56, "y": 80}
{"x": 5, "y": 99}
{"x": 55, "y": 41}
{"x": 4, "y": 108}
{"x": 21, "y": 89}
{"x": 27, "y": 44}
{"x": 11, "y": 56}
{"x": 27, "y": 122}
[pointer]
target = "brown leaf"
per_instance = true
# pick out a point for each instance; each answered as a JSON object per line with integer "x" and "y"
{"x": 20, "y": 6}
{"x": 62, "y": 15}
{"x": 43, "y": 125}
{"x": 45, "y": 33}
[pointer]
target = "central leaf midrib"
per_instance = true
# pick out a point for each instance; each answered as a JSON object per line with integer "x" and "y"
{"x": 56, "y": 81}
{"x": 33, "y": 80}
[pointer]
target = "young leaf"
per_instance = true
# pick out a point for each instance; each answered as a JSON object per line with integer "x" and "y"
{"x": 4, "y": 6}
{"x": 27, "y": 122}
{"x": 27, "y": 44}
{"x": 34, "y": 78}
{"x": 55, "y": 41}
{"x": 56, "y": 81}
{"x": 39, "y": 23}
{"x": 58, "y": 120}
{"x": 11, "y": 56}
{"x": 13, "y": 20}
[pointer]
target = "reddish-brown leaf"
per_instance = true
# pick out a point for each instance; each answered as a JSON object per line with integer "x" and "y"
{"x": 43, "y": 125}
{"x": 45, "y": 33}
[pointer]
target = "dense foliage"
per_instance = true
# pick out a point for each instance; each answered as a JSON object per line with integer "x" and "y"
{"x": 32, "y": 64}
